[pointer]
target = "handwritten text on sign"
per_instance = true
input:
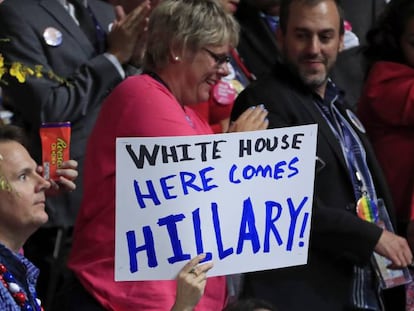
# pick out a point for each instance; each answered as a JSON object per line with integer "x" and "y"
{"x": 244, "y": 199}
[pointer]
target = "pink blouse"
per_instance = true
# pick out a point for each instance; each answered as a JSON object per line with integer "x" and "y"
{"x": 139, "y": 106}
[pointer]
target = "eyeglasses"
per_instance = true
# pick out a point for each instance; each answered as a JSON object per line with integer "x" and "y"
{"x": 219, "y": 59}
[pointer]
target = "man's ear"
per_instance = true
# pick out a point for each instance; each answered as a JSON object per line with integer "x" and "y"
{"x": 341, "y": 43}
{"x": 280, "y": 38}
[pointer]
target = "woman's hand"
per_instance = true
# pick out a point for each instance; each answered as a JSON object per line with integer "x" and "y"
{"x": 254, "y": 118}
{"x": 191, "y": 281}
{"x": 67, "y": 173}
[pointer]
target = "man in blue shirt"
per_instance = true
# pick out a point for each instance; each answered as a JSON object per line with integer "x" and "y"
{"x": 22, "y": 211}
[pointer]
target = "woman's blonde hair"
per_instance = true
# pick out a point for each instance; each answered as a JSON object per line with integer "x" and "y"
{"x": 187, "y": 25}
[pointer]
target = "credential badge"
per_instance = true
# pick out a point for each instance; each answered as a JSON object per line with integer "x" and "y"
{"x": 355, "y": 121}
{"x": 52, "y": 36}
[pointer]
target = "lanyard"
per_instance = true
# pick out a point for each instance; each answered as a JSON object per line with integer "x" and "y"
{"x": 352, "y": 150}
{"x": 241, "y": 65}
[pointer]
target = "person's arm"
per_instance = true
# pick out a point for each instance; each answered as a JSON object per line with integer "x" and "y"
{"x": 191, "y": 281}
{"x": 86, "y": 84}
{"x": 391, "y": 83}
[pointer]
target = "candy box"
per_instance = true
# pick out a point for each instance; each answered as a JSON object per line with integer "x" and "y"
{"x": 55, "y": 138}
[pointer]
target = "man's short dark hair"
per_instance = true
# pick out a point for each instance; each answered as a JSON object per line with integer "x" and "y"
{"x": 12, "y": 133}
{"x": 285, "y": 11}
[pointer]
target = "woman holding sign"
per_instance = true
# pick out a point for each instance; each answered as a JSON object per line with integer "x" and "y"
{"x": 187, "y": 53}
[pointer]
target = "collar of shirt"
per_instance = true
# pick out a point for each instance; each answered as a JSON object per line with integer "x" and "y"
{"x": 332, "y": 92}
{"x": 25, "y": 274}
{"x": 71, "y": 9}
{"x": 272, "y": 21}
{"x": 65, "y": 3}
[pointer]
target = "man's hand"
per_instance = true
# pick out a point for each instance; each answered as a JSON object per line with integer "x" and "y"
{"x": 127, "y": 30}
{"x": 395, "y": 248}
{"x": 67, "y": 173}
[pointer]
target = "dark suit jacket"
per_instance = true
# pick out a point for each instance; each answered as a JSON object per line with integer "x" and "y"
{"x": 362, "y": 15}
{"x": 339, "y": 239}
{"x": 350, "y": 68}
{"x": 257, "y": 46}
{"x": 90, "y": 78}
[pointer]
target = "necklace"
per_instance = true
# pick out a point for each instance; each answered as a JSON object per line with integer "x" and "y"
{"x": 17, "y": 293}
{"x": 188, "y": 119}
{"x": 156, "y": 77}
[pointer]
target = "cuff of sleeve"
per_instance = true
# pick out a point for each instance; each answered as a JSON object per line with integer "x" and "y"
{"x": 116, "y": 63}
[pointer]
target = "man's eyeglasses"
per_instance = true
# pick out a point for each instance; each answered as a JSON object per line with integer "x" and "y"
{"x": 219, "y": 59}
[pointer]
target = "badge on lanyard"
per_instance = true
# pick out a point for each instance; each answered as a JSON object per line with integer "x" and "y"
{"x": 355, "y": 121}
{"x": 52, "y": 36}
{"x": 367, "y": 209}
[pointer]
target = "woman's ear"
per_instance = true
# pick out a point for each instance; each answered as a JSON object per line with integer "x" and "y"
{"x": 175, "y": 53}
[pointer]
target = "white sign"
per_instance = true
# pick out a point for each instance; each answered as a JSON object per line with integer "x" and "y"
{"x": 244, "y": 199}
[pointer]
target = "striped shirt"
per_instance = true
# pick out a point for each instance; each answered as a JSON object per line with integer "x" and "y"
{"x": 25, "y": 274}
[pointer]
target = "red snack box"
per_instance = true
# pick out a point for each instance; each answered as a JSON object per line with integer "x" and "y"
{"x": 55, "y": 139}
